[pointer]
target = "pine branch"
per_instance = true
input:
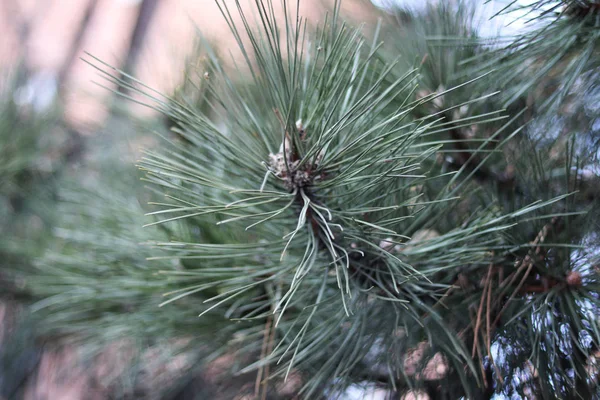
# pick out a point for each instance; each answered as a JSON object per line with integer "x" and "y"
{"x": 505, "y": 182}
{"x": 312, "y": 185}
{"x": 548, "y": 60}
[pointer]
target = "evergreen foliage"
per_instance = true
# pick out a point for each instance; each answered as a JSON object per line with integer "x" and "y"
{"x": 27, "y": 156}
{"x": 34, "y": 148}
{"x": 558, "y": 54}
{"x": 356, "y": 211}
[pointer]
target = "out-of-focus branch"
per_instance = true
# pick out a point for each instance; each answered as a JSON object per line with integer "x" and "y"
{"x": 505, "y": 181}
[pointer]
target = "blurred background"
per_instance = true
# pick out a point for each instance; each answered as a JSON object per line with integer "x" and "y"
{"x": 152, "y": 39}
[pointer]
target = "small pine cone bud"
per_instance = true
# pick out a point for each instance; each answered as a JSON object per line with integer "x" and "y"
{"x": 574, "y": 278}
{"x": 387, "y": 244}
{"x": 439, "y": 158}
{"x": 438, "y": 101}
{"x": 463, "y": 282}
{"x": 415, "y": 395}
{"x": 422, "y": 94}
{"x": 509, "y": 172}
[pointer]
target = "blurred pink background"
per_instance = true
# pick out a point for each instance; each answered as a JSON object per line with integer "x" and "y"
{"x": 50, "y": 36}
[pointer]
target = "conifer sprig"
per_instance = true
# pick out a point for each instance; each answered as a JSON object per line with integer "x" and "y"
{"x": 331, "y": 215}
{"x": 549, "y": 60}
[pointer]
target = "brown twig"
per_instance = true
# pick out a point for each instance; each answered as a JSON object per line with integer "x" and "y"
{"x": 486, "y": 288}
{"x": 260, "y": 384}
{"x": 527, "y": 263}
{"x": 488, "y": 327}
{"x": 263, "y": 352}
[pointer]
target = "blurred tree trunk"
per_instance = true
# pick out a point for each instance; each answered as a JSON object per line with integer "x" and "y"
{"x": 71, "y": 59}
{"x": 22, "y": 25}
{"x": 146, "y": 11}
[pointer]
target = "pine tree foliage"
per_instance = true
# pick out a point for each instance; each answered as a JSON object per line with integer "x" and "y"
{"x": 317, "y": 174}
{"x": 25, "y": 154}
{"x": 353, "y": 211}
{"x": 93, "y": 288}
{"x": 512, "y": 179}
{"x": 33, "y": 150}
{"x": 19, "y": 147}
{"x": 438, "y": 40}
{"x": 558, "y": 54}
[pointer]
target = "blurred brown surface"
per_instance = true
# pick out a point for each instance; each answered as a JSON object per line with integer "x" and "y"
{"x": 43, "y": 32}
